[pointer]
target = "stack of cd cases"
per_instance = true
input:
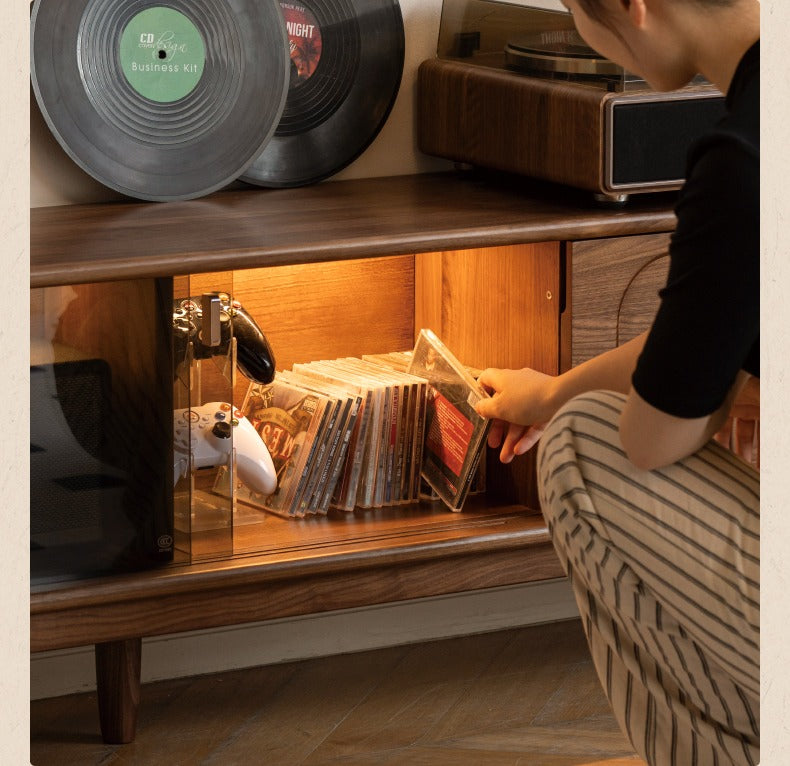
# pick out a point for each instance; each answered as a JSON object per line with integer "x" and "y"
{"x": 381, "y": 430}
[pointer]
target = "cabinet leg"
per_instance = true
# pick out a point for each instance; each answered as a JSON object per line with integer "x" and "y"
{"x": 118, "y": 688}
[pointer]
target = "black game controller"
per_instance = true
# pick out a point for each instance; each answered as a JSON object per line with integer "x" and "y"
{"x": 209, "y": 321}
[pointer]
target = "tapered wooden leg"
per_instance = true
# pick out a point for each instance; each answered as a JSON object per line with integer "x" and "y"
{"x": 118, "y": 687}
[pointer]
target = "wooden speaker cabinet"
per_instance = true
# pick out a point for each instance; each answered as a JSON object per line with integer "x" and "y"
{"x": 610, "y": 143}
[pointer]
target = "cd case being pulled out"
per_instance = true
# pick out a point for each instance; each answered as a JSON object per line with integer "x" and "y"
{"x": 455, "y": 435}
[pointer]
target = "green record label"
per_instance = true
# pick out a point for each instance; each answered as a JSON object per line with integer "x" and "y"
{"x": 162, "y": 54}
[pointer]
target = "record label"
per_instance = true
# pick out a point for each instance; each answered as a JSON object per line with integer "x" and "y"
{"x": 162, "y": 54}
{"x": 304, "y": 39}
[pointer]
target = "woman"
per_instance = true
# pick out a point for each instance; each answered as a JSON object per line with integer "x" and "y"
{"x": 656, "y": 523}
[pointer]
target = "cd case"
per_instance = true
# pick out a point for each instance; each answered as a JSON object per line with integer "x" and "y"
{"x": 455, "y": 435}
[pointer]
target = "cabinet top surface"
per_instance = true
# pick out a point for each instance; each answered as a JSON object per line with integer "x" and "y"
{"x": 329, "y": 221}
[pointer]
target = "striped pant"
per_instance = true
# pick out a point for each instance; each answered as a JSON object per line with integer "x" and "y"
{"x": 665, "y": 569}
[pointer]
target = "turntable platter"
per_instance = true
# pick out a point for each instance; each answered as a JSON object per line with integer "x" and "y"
{"x": 558, "y": 52}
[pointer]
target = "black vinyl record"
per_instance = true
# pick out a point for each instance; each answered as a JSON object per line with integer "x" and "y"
{"x": 346, "y": 67}
{"x": 164, "y": 100}
{"x": 558, "y": 52}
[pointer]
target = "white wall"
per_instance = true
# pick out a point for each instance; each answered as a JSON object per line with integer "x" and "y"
{"x": 56, "y": 180}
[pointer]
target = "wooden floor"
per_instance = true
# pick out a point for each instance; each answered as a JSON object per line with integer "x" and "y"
{"x": 523, "y": 697}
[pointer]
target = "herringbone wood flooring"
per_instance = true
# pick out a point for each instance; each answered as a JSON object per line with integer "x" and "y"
{"x": 523, "y": 697}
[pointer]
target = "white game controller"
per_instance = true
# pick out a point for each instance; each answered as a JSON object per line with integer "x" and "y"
{"x": 212, "y": 426}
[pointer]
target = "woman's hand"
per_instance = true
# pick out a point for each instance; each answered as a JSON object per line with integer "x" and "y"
{"x": 520, "y": 407}
{"x": 523, "y": 401}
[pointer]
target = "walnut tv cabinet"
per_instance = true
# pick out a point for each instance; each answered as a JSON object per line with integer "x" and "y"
{"x": 507, "y": 272}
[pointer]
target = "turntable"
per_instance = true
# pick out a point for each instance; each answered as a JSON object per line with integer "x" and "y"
{"x": 561, "y": 54}
{"x": 515, "y": 88}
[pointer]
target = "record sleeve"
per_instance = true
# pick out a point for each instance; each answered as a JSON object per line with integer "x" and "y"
{"x": 455, "y": 435}
{"x": 394, "y": 360}
{"x": 388, "y": 447}
{"x": 318, "y": 465}
{"x": 400, "y": 360}
{"x": 340, "y": 458}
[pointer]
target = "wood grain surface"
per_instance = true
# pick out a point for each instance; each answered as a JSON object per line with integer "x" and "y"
{"x": 335, "y": 220}
{"x": 614, "y": 290}
{"x": 527, "y": 695}
{"x": 497, "y": 119}
{"x": 302, "y": 567}
{"x": 118, "y": 667}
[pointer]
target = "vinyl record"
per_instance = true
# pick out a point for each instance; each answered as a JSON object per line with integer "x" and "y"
{"x": 560, "y": 52}
{"x": 346, "y": 67}
{"x": 163, "y": 100}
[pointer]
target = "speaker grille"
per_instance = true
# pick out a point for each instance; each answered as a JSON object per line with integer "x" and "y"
{"x": 650, "y": 139}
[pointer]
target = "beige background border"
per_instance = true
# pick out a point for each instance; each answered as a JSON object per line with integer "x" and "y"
{"x": 775, "y": 377}
{"x": 14, "y": 462}
{"x": 14, "y": 476}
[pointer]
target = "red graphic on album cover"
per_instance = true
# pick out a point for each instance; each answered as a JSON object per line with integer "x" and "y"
{"x": 449, "y": 434}
{"x": 304, "y": 37}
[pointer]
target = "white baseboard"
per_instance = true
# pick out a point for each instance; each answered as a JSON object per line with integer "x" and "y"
{"x": 67, "y": 671}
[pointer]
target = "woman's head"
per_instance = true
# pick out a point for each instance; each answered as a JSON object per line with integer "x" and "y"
{"x": 597, "y": 9}
{"x": 657, "y": 39}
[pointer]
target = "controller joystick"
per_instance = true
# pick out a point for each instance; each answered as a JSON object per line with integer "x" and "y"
{"x": 210, "y": 334}
{"x": 215, "y": 428}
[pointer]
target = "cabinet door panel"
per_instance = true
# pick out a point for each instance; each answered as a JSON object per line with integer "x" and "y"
{"x": 614, "y": 286}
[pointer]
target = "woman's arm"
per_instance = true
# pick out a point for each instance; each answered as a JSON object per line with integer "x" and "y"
{"x": 523, "y": 401}
{"x": 652, "y": 438}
